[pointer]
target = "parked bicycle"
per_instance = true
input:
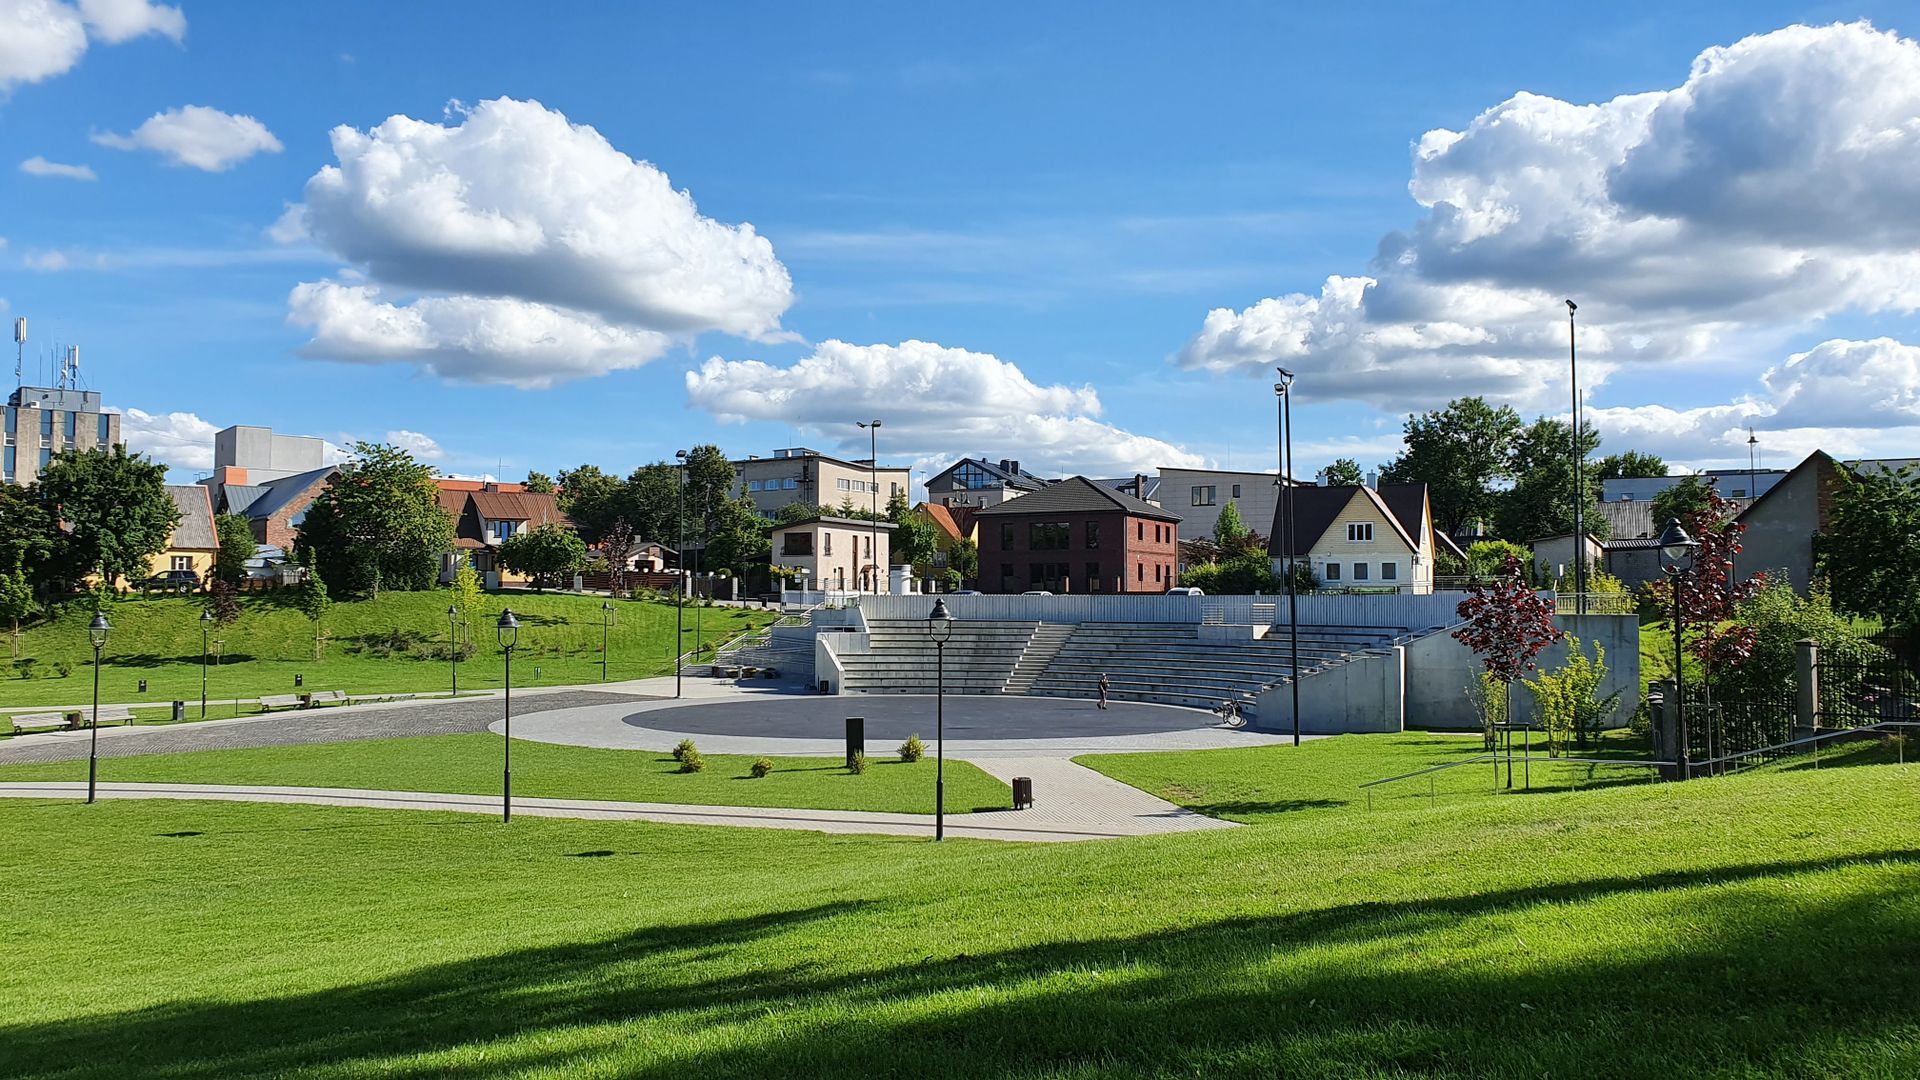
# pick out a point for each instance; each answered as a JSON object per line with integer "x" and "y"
{"x": 1229, "y": 713}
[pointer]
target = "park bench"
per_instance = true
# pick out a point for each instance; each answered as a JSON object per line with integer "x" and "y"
{"x": 23, "y": 721}
{"x": 70, "y": 719}
{"x": 302, "y": 701}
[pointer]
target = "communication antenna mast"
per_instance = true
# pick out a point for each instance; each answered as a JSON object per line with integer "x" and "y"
{"x": 73, "y": 367}
{"x": 19, "y": 348}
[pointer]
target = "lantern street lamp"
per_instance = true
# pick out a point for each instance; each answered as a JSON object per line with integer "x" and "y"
{"x": 453, "y": 645}
{"x": 606, "y": 620}
{"x": 873, "y": 489}
{"x": 206, "y": 622}
{"x": 1676, "y": 558}
{"x": 940, "y": 630}
{"x": 1579, "y": 468}
{"x": 681, "y": 581}
{"x": 507, "y": 630}
{"x": 97, "y": 631}
{"x": 1284, "y": 391}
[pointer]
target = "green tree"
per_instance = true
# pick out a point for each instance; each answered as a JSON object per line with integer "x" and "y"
{"x": 739, "y": 539}
{"x": 1867, "y": 553}
{"x": 1228, "y": 529}
{"x": 16, "y": 602}
{"x": 1689, "y": 496}
{"x": 548, "y": 552}
{"x": 1540, "y": 503}
{"x": 539, "y": 483}
{"x": 1485, "y": 558}
{"x": 652, "y": 503}
{"x": 1630, "y": 465}
{"x": 710, "y": 488}
{"x": 26, "y": 532}
{"x": 313, "y": 601}
{"x": 378, "y": 524}
{"x": 914, "y": 541}
{"x": 1345, "y": 472}
{"x": 1458, "y": 452}
{"x": 963, "y": 558}
{"x": 466, "y": 595}
{"x": 794, "y": 513}
{"x": 593, "y": 501}
{"x": 236, "y": 547}
{"x": 115, "y": 509}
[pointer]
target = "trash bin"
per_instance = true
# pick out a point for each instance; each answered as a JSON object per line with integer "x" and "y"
{"x": 179, "y": 711}
{"x": 143, "y": 686}
{"x": 1023, "y": 793}
{"x": 856, "y": 737}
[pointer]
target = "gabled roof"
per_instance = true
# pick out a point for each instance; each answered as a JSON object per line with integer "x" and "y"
{"x": 1814, "y": 459}
{"x": 240, "y": 496}
{"x": 1076, "y": 495}
{"x": 286, "y": 489}
{"x": 195, "y": 530}
{"x": 529, "y": 506}
{"x": 1315, "y": 509}
{"x": 952, "y": 522}
{"x": 1125, "y": 486}
{"x": 1019, "y": 480}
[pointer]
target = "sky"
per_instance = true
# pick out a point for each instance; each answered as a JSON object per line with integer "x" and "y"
{"x": 1079, "y": 235}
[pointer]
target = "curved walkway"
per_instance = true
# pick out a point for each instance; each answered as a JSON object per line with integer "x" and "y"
{"x": 1134, "y": 814}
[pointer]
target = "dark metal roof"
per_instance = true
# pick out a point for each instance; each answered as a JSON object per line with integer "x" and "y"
{"x": 286, "y": 489}
{"x": 1076, "y": 495}
{"x": 1021, "y": 480}
{"x": 1315, "y": 509}
{"x": 240, "y": 496}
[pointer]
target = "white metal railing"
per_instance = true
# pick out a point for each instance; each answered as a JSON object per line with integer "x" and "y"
{"x": 1403, "y": 610}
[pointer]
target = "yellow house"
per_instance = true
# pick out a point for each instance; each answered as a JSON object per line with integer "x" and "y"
{"x": 194, "y": 542}
{"x": 1358, "y": 538}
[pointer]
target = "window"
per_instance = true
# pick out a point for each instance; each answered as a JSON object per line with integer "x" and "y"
{"x": 1093, "y": 577}
{"x": 796, "y": 543}
{"x": 1093, "y": 536}
{"x": 9, "y": 463}
{"x": 1048, "y": 536}
{"x": 1052, "y": 577}
{"x": 1139, "y": 530}
{"x": 1739, "y": 493}
{"x": 1236, "y": 491}
{"x": 846, "y": 485}
{"x": 71, "y": 417}
{"x": 502, "y": 530}
{"x": 753, "y": 485}
{"x": 1359, "y": 532}
{"x": 1007, "y": 581}
{"x": 826, "y": 539}
{"x": 789, "y": 483}
{"x": 1006, "y": 536}
{"x": 1333, "y": 572}
{"x": 46, "y": 457}
{"x": 1156, "y": 573}
{"x": 46, "y": 425}
{"x": 181, "y": 562}
{"x": 869, "y": 546}
{"x": 1139, "y": 571}
{"x": 103, "y": 429}
{"x": 1389, "y": 571}
{"x": 1203, "y": 495}
{"x": 1359, "y": 571}
{"x": 971, "y": 477}
{"x": 13, "y": 420}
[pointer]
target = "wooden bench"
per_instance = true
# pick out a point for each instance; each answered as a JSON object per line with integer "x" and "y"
{"x": 23, "y": 721}
{"x": 302, "y": 701}
{"x": 70, "y": 719}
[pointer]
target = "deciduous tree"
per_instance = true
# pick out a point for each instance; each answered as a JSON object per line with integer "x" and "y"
{"x": 1345, "y": 472}
{"x": 548, "y": 552}
{"x": 1507, "y": 624}
{"x": 1458, "y": 452}
{"x": 1630, "y": 464}
{"x": 378, "y": 523}
{"x": 115, "y": 509}
{"x": 236, "y": 547}
{"x": 16, "y": 602}
{"x": 1868, "y": 552}
{"x": 539, "y": 483}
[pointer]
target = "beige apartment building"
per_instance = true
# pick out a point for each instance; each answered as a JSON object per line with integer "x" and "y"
{"x": 42, "y": 421}
{"x": 800, "y": 475}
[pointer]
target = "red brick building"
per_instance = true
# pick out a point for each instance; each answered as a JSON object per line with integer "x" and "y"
{"x": 1077, "y": 536}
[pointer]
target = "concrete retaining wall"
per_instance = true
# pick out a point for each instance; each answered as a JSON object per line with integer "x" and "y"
{"x": 1439, "y": 670}
{"x": 1364, "y": 695}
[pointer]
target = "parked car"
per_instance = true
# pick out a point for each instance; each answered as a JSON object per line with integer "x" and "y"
{"x": 964, "y": 592}
{"x": 173, "y": 581}
{"x": 1185, "y": 590}
{"x": 1036, "y": 592}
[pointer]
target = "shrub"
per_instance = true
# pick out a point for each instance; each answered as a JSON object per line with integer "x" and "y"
{"x": 858, "y": 762}
{"x": 1489, "y": 697}
{"x": 1568, "y": 699}
{"x": 761, "y": 767}
{"x": 691, "y": 761}
{"x": 685, "y": 748}
{"x": 62, "y": 669}
{"x": 913, "y": 749}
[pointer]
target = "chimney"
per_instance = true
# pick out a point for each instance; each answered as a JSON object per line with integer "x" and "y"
{"x": 1139, "y": 485}
{"x": 1373, "y": 480}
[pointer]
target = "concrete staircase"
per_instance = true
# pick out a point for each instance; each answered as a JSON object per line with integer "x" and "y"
{"x": 980, "y": 654}
{"x": 1042, "y": 647}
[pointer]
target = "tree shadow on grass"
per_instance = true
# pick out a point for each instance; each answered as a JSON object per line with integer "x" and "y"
{"x": 1754, "y": 984}
{"x": 147, "y": 660}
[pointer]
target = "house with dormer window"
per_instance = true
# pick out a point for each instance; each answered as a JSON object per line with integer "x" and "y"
{"x": 1358, "y": 538}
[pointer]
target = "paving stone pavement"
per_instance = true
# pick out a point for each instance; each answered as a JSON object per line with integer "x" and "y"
{"x": 300, "y": 727}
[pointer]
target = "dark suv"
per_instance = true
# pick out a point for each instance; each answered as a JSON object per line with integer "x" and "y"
{"x": 174, "y": 581}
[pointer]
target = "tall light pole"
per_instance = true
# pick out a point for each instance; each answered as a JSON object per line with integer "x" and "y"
{"x": 1579, "y": 468}
{"x": 206, "y": 622}
{"x": 453, "y": 645}
{"x": 873, "y": 490}
{"x": 1284, "y": 391}
{"x": 606, "y": 619}
{"x": 940, "y": 628}
{"x": 1753, "y": 444}
{"x": 97, "y": 631}
{"x": 1676, "y": 556}
{"x": 507, "y": 630}
{"x": 685, "y": 582}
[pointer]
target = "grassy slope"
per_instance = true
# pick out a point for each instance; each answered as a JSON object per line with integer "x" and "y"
{"x": 159, "y": 640}
{"x": 1749, "y": 925}
{"x": 470, "y": 764}
{"x": 1259, "y": 783}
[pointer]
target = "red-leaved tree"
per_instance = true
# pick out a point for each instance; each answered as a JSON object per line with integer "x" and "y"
{"x": 1710, "y": 594}
{"x": 1507, "y": 624}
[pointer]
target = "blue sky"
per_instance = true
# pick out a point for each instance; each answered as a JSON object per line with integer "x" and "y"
{"x": 1052, "y": 197}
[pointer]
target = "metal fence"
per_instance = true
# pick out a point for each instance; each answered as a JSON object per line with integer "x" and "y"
{"x": 1857, "y": 692}
{"x": 1724, "y": 726}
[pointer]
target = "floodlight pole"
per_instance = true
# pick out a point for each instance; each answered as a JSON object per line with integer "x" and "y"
{"x": 1579, "y": 468}
{"x": 1285, "y": 390}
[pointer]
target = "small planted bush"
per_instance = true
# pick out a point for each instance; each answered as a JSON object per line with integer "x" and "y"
{"x": 691, "y": 761}
{"x": 761, "y": 767}
{"x": 857, "y": 763}
{"x": 685, "y": 748}
{"x": 912, "y": 750}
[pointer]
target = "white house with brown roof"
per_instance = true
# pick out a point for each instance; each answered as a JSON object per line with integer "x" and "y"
{"x": 1362, "y": 538}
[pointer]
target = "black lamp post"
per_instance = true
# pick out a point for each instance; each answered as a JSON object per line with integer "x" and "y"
{"x": 873, "y": 490}
{"x": 206, "y": 622}
{"x": 1284, "y": 390}
{"x": 940, "y": 629}
{"x": 682, "y": 581}
{"x": 508, "y": 632}
{"x": 1579, "y": 467}
{"x": 606, "y": 620}
{"x": 453, "y": 645}
{"x": 97, "y": 631}
{"x": 1676, "y": 557}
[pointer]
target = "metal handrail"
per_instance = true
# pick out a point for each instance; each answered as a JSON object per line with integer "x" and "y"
{"x": 1809, "y": 740}
{"x": 1495, "y": 756}
{"x": 1488, "y": 756}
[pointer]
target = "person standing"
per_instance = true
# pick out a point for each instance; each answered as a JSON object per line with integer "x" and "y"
{"x": 1103, "y": 689}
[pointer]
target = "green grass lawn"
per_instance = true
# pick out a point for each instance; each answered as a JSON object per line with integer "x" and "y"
{"x": 470, "y": 764}
{"x": 392, "y": 645}
{"x": 1742, "y": 926}
{"x": 1262, "y": 783}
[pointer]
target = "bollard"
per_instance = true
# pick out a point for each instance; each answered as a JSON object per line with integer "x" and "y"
{"x": 856, "y": 737}
{"x": 179, "y": 711}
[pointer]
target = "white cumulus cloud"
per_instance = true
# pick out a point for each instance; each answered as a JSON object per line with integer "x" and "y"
{"x": 422, "y": 447}
{"x": 1773, "y": 187}
{"x": 40, "y": 39}
{"x": 470, "y": 338}
{"x": 197, "y": 137}
{"x": 39, "y": 166}
{"x": 509, "y": 203}
{"x": 936, "y": 402}
{"x": 179, "y": 439}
